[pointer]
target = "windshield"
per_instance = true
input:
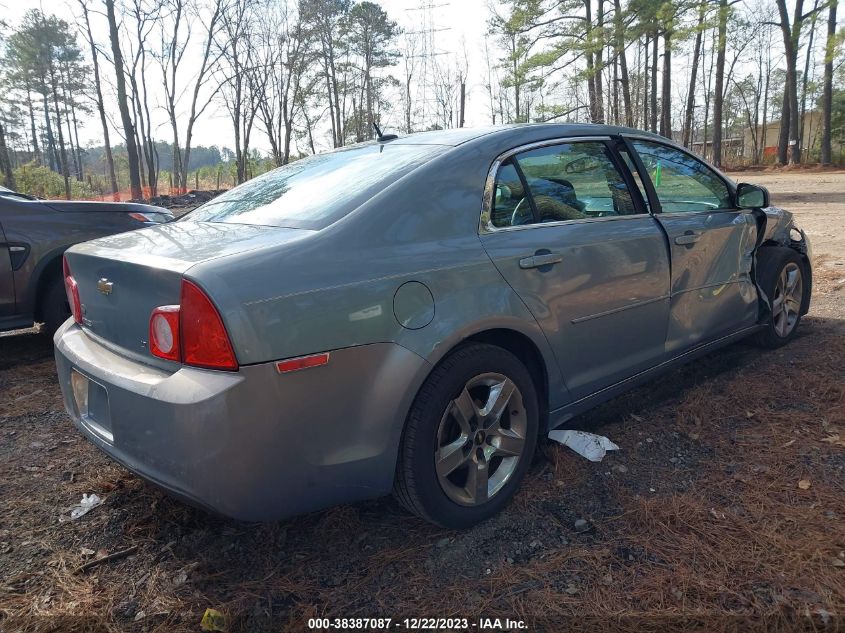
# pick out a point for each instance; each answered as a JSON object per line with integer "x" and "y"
{"x": 316, "y": 191}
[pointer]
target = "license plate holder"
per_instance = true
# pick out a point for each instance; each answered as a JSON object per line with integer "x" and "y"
{"x": 92, "y": 405}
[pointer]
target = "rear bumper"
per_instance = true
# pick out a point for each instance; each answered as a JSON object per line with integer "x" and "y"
{"x": 253, "y": 444}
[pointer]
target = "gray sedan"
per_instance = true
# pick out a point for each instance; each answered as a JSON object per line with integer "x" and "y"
{"x": 413, "y": 314}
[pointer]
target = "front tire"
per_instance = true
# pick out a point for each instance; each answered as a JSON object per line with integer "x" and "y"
{"x": 469, "y": 438}
{"x": 782, "y": 276}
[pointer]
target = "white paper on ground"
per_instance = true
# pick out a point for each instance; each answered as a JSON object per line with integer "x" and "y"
{"x": 88, "y": 503}
{"x": 588, "y": 445}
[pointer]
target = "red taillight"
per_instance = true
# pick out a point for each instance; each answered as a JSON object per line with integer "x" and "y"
{"x": 164, "y": 333}
{"x": 205, "y": 342}
{"x": 192, "y": 332}
{"x": 72, "y": 291}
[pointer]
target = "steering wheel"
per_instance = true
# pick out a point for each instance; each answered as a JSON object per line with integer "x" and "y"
{"x": 519, "y": 216}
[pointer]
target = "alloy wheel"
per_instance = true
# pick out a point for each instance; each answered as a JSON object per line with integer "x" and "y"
{"x": 786, "y": 305}
{"x": 480, "y": 439}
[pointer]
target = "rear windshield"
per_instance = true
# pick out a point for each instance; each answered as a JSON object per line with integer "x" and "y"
{"x": 316, "y": 191}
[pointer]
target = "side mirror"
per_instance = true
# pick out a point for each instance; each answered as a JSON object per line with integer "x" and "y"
{"x": 750, "y": 196}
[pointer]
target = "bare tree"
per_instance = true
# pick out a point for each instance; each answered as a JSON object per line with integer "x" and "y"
{"x": 175, "y": 42}
{"x": 236, "y": 55}
{"x": 597, "y": 36}
{"x": 410, "y": 59}
{"x": 827, "y": 95}
{"x": 619, "y": 46}
{"x": 789, "y": 142}
{"x": 5, "y": 164}
{"x": 719, "y": 95}
{"x": 145, "y": 17}
{"x": 280, "y": 75}
{"x": 696, "y": 54}
{"x": 98, "y": 100}
{"x": 123, "y": 105}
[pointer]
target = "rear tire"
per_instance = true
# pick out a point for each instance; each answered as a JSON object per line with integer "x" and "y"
{"x": 55, "y": 309}
{"x": 469, "y": 438}
{"x": 782, "y": 275}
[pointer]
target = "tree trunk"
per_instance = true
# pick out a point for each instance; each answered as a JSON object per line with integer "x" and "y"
{"x": 80, "y": 175}
{"x": 368, "y": 82}
{"x": 591, "y": 83}
{"x": 515, "y": 71}
{"x": 623, "y": 64}
{"x": 615, "y": 91}
{"x": 74, "y": 146}
{"x": 653, "y": 122}
{"x": 52, "y": 152}
{"x": 790, "y": 123}
{"x": 690, "y": 110}
{"x": 309, "y": 127}
{"x": 62, "y": 151}
{"x": 126, "y": 119}
{"x": 827, "y": 91}
{"x": 599, "y": 46}
{"x": 74, "y": 151}
{"x": 5, "y": 164}
{"x": 461, "y": 117}
{"x": 329, "y": 95}
{"x": 707, "y": 84}
{"x": 783, "y": 133}
{"x": 408, "y": 104}
{"x": 666, "y": 96}
{"x": 762, "y": 155}
{"x": 36, "y": 152}
{"x": 645, "y": 84}
{"x": 718, "y": 97}
{"x": 100, "y": 104}
{"x": 335, "y": 90}
{"x": 807, "y": 71}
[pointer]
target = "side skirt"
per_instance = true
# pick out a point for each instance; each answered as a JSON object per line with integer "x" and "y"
{"x": 569, "y": 411}
{"x": 15, "y": 322}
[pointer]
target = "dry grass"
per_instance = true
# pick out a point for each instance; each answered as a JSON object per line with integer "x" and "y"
{"x": 719, "y": 539}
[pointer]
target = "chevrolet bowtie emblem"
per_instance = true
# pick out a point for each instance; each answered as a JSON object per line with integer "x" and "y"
{"x": 104, "y": 286}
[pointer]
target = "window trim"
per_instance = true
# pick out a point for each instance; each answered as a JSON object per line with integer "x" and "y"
{"x": 652, "y": 192}
{"x": 485, "y": 225}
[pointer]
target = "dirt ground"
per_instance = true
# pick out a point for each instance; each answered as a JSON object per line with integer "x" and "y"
{"x": 724, "y": 510}
{"x": 816, "y": 197}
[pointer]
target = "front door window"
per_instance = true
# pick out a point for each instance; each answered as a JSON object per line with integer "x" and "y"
{"x": 682, "y": 182}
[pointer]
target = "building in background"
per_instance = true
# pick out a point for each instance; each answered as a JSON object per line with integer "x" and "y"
{"x": 767, "y": 140}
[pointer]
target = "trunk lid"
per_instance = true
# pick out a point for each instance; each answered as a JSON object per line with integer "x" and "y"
{"x": 123, "y": 278}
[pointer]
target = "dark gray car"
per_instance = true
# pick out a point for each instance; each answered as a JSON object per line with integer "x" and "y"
{"x": 34, "y": 235}
{"x": 413, "y": 314}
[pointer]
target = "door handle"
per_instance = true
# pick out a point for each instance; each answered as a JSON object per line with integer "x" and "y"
{"x": 535, "y": 261}
{"x": 688, "y": 238}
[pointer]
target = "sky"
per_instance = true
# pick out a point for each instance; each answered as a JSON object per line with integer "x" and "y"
{"x": 461, "y": 26}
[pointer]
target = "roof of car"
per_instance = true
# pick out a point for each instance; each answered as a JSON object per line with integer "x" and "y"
{"x": 458, "y": 136}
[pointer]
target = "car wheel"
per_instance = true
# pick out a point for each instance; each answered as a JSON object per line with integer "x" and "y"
{"x": 54, "y": 307}
{"x": 781, "y": 276}
{"x": 469, "y": 438}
